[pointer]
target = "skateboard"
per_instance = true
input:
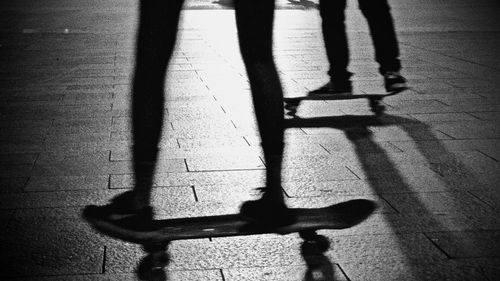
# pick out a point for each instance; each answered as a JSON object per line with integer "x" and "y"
{"x": 292, "y": 103}
{"x": 307, "y": 222}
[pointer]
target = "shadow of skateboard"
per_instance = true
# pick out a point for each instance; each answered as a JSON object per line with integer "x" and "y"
{"x": 292, "y": 103}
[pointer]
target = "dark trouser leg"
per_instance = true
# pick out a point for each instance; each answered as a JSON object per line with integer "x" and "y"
{"x": 335, "y": 37}
{"x": 254, "y": 20}
{"x": 155, "y": 43}
{"x": 378, "y": 15}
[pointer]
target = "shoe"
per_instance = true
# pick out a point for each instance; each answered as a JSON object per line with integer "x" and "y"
{"x": 267, "y": 213}
{"x": 118, "y": 219}
{"x": 394, "y": 81}
{"x": 333, "y": 88}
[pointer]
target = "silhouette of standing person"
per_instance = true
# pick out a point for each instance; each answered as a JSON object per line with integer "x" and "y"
{"x": 380, "y": 23}
{"x": 131, "y": 212}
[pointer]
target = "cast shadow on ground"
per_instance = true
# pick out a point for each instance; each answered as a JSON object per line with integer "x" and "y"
{"x": 304, "y": 3}
{"x": 420, "y": 222}
{"x": 225, "y": 3}
{"x": 408, "y": 227}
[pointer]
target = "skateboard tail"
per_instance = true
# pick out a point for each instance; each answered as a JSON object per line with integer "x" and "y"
{"x": 122, "y": 233}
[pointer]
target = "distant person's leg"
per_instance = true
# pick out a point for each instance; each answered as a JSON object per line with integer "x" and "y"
{"x": 336, "y": 45}
{"x": 131, "y": 211}
{"x": 381, "y": 24}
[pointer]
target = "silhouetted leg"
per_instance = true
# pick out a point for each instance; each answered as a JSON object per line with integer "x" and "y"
{"x": 380, "y": 22}
{"x": 155, "y": 43}
{"x": 254, "y": 20}
{"x": 335, "y": 37}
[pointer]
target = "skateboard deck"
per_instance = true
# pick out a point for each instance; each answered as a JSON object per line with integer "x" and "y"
{"x": 292, "y": 103}
{"x": 338, "y": 216}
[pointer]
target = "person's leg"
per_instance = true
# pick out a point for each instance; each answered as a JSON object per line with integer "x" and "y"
{"x": 380, "y": 22}
{"x": 155, "y": 44}
{"x": 254, "y": 20}
{"x": 336, "y": 46}
{"x": 130, "y": 212}
{"x": 379, "y": 18}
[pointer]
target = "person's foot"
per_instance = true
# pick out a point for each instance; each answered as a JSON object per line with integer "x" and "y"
{"x": 333, "y": 87}
{"x": 394, "y": 81}
{"x": 267, "y": 213}
{"x": 119, "y": 219}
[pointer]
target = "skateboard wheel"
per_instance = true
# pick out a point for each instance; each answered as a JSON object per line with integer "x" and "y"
{"x": 291, "y": 113}
{"x": 152, "y": 267}
{"x": 308, "y": 235}
{"x": 376, "y": 107}
{"x": 379, "y": 109}
{"x": 151, "y": 274}
{"x": 315, "y": 246}
{"x": 322, "y": 243}
{"x": 157, "y": 256}
{"x": 159, "y": 260}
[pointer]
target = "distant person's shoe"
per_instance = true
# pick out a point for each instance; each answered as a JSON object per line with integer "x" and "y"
{"x": 333, "y": 87}
{"x": 267, "y": 213}
{"x": 394, "y": 81}
{"x": 118, "y": 217}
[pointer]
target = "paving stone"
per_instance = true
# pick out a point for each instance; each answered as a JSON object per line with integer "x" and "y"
{"x": 490, "y": 197}
{"x": 487, "y": 116}
{"x": 16, "y": 171}
{"x": 417, "y": 106}
{"x": 437, "y": 117}
{"x": 489, "y": 267}
{"x": 74, "y": 167}
{"x": 407, "y": 133}
{"x": 437, "y": 202}
{"x": 82, "y": 123}
{"x": 77, "y": 137}
{"x": 401, "y": 223}
{"x": 11, "y": 185}
{"x": 410, "y": 270}
{"x": 46, "y": 199}
{"x": 381, "y": 183}
{"x": 194, "y": 152}
{"x": 320, "y": 271}
{"x": 446, "y": 146}
{"x": 467, "y": 244}
{"x": 62, "y": 183}
{"x": 5, "y": 218}
{"x": 198, "y": 178}
{"x": 34, "y": 248}
{"x": 209, "y": 143}
{"x": 49, "y": 214}
{"x": 469, "y": 130}
{"x": 13, "y": 126}
{"x": 28, "y": 137}
{"x": 467, "y": 170}
{"x": 16, "y": 159}
{"x": 368, "y": 146}
{"x": 313, "y": 188}
{"x": 224, "y": 163}
{"x": 83, "y": 277}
